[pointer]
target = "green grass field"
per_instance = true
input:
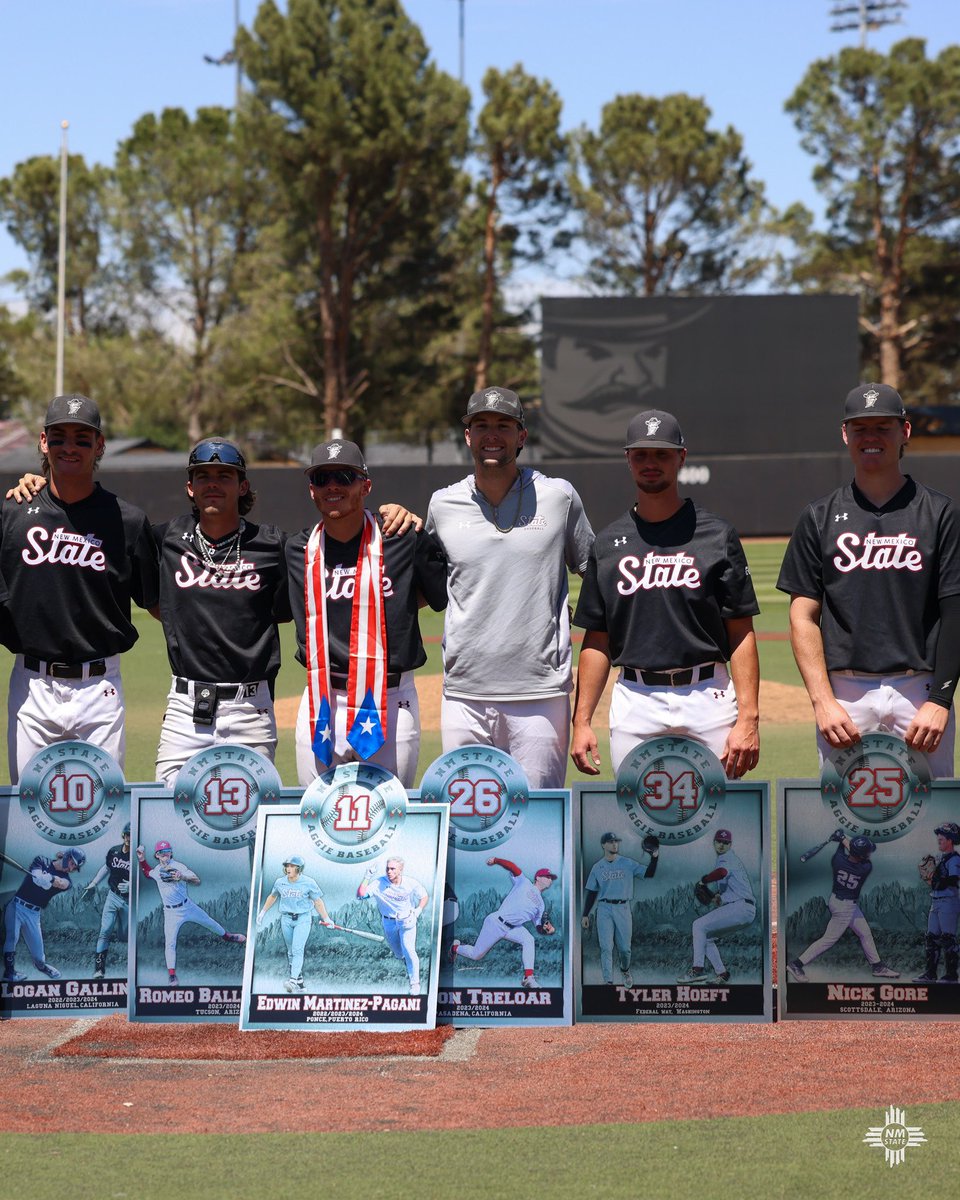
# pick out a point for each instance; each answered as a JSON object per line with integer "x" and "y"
{"x": 807, "y": 1155}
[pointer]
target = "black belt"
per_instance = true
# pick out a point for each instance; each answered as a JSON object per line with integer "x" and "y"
{"x": 65, "y": 670}
{"x": 678, "y": 678}
{"x": 27, "y": 904}
{"x": 294, "y": 916}
{"x": 340, "y": 681}
{"x": 507, "y": 923}
{"x": 602, "y": 901}
{"x": 180, "y": 905}
{"x": 224, "y": 691}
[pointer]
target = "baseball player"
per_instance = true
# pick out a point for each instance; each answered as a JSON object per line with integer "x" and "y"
{"x": 873, "y": 572}
{"x": 509, "y": 534}
{"x": 944, "y": 912}
{"x": 72, "y": 559}
{"x": 299, "y": 896}
{"x": 851, "y": 865}
{"x": 46, "y": 878}
{"x": 667, "y": 597}
{"x": 400, "y": 901}
{"x": 734, "y": 907}
{"x": 609, "y": 886}
{"x": 522, "y": 904}
{"x": 116, "y": 909}
{"x": 355, "y": 596}
{"x": 171, "y": 878}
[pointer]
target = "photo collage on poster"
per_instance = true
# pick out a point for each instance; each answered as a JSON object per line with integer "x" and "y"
{"x": 475, "y": 901}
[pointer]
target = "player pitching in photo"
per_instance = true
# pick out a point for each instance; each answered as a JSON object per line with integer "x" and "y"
{"x": 46, "y": 878}
{"x": 851, "y": 865}
{"x": 731, "y": 906}
{"x": 609, "y": 886}
{"x": 171, "y": 878}
{"x": 400, "y": 901}
{"x": 523, "y": 904}
{"x": 299, "y": 896}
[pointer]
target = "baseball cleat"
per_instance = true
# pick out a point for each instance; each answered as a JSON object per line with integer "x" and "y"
{"x": 290, "y": 985}
{"x": 924, "y": 978}
{"x": 722, "y": 977}
{"x": 882, "y": 971}
{"x": 694, "y": 975}
{"x": 796, "y": 970}
{"x": 173, "y": 977}
{"x": 530, "y": 982}
{"x": 452, "y": 952}
{"x": 414, "y": 989}
{"x": 10, "y": 976}
{"x": 49, "y": 971}
{"x": 627, "y": 977}
{"x": 239, "y": 938}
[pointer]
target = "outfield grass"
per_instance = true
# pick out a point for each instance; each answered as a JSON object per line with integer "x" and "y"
{"x": 793, "y": 1157}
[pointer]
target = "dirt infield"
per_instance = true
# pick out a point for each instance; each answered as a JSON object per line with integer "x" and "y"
{"x": 779, "y": 702}
{"x": 107, "y": 1077}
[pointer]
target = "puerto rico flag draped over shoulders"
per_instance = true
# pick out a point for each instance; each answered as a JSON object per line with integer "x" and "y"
{"x": 367, "y": 674}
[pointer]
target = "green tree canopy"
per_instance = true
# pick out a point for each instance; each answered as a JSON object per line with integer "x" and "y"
{"x": 885, "y": 130}
{"x": 667, "y": 203}
{"x": 365, "y": 138}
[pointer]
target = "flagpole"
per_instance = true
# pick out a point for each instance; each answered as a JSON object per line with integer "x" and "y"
{"x": 62, "y": 258}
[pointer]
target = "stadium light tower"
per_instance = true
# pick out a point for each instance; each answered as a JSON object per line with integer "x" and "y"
{"x": 462, "y": 3}
{"x": 870, "y": 15}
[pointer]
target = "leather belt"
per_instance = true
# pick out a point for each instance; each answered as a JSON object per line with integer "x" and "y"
{"x": 225, "y": 691}
{"x": 507, "y": 923}
{"x": 340, "y": 681}
{"x": 602, "y": 901}
{"x": 27, "y": 904}
{"x": 180, "y": 905}
{"x": 65, "y": 670}
{"x": 678, "y": 678}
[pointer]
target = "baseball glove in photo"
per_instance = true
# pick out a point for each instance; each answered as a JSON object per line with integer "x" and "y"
{"x": 703, "y": 894}
{"x": 927, "y": 867}
{"x": 650, "y": 843}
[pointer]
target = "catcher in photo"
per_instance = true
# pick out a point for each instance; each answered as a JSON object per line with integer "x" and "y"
{"x": 171, "y": 878}
{"x": 942, "y": 876}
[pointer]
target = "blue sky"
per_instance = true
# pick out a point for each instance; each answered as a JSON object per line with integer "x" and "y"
{"x": 100, "y": 64}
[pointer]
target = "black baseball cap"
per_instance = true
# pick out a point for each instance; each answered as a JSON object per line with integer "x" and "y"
{"x": 654, "y": 428}
{"x": 873, "y": 400}
{"x": 494, "y": 399}
{"x": 217, "y": 450}
{"x": 72, "y": 410}
{"x": 610, "y": 837}
{"x": 337, "y": 453}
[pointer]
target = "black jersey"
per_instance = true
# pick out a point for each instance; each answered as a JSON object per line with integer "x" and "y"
{"x": 412, "y": 564}
{"x": 118, "y": 869}
{"x": 880, "y": 574}
{"x": 71, "y": 571}
{"x": 662, "y": 590}
{"x": 33, "y": 893}
{"x": 848, "y": 876}
{"x": 221, "y": 625}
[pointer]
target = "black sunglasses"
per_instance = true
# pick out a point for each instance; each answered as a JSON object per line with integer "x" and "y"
{"x": 213, "y": 450}
{"x": 342, "y": 475}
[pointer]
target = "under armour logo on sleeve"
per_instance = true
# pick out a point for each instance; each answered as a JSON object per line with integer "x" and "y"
{"x": 840, "y": 517}
{"x": 620, "y": 541}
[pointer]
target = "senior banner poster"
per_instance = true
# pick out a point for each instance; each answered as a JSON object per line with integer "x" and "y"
{"x": 672, "y": 891}
{"x": 862, "y": 933}
{"x": 64, "y": 881}
{"x": 346, "y": 908}
{"x": 506, "y": 935}
{"x": 190, "y": 887}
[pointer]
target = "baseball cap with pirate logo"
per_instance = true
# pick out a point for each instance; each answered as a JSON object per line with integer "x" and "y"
{"x": 873, "y": 400}
{"x": 654, "y": 428}
{"x": 72, "y": 410}
{"x": 496, "y": 400}
{"x": 337, "y": 453}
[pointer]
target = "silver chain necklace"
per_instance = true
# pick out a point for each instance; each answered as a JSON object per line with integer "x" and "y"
{"x": 231, "y": 546}
{"x": 495, "y": 509}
